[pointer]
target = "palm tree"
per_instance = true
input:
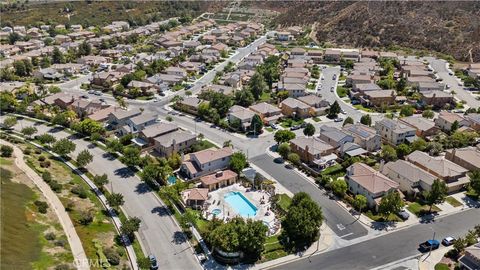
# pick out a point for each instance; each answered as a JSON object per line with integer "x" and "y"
{"x": 121, "y": 102}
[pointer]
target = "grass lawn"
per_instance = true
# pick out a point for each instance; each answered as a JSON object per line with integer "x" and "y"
{"x": 269, "y": 129}
{"x": 342, "y": 91}
{"x": 284, "y": 201}
{"x": 316, "y": 119}
{"x": 360, "y": 107}
{"x": 145, "y": 98}
{"x": 441, "y": 266}
{"x": 289, "y": 122}
{"x": 202, "y": 145}
{"x": 273, "y": 249}
{"x": 333, "y": 169}
{"x": 265, "y": 96}
{"x": 420, "y": 210}
{"x": 379, "y": 218}
{"x": 454, "y": 202}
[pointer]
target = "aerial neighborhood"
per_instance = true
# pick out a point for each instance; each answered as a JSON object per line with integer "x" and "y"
{"x": 206, "y": 140}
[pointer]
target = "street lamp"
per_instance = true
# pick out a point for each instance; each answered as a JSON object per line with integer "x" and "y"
{"x": 433, "y": 238}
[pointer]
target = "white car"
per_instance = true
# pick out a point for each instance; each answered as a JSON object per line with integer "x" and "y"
{"x": 448, "y": 241}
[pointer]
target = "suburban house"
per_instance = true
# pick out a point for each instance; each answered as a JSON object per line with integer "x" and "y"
{"x": 364, "y": 136}
{"x": 318, "y": 105}
{"x": 293, "y": 89}
{"x": 425, "y": 127}
{"x": 218, "y": 180}
{"x": 239, "y": 116}
{"x": 430, "y": 86}
{"x": 106, "y": 79}
{"x": 176, "y": 71}
{"x": 332, "y": 55}
{"x": 412, "y": 179}
{"x": 311, "y": 149}
{"x": 189, "y": 105}
{"x": 468, "y": 157}
{"x": 84, "y": 107}
{"x": 446, "y": 119}
{"x": 378, "y": 98}
{"x": 353, "y": 80}
{"x": 334, "y": 136}
{"x": 455, "y": 176}
{"x": 351, "y": 149}
{"x": 103, "y": 114}
{"x": 269, "y": 113}
{"x": 206, "y": 162}
{"x": 394, "y": 132}
{"x": 471, "y": 259}
{"x": 363, "y": 179}
{"x": 138, "y": 123}
{"x": 295, "y": 108}
{"x": 118, "y": 118}
{"x": 177, "y": 141}
{"x": 437, "y": 99}
{"x": 473, "y": 121}
{"x": 195, "y": 197}
{"x": 155, "y": 130}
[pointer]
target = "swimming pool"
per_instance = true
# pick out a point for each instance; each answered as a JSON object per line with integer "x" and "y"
{"x": 172, "y": 180}
{"x": 216, "y": 212}
{"x": 240, "y": 204}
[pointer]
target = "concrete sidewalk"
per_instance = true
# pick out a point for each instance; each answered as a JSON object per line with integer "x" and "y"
{"x": 79, "y": 256}
{"x": 428, "y": 261}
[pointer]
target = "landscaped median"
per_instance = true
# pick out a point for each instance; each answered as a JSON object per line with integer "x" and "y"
{"x": 85, "y": 203}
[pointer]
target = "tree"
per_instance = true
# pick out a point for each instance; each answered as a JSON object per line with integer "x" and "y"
{"x": 6, "y": 151}
{"x": 85, "y": 217}
{"x": 46, "y": 138}
{"x": 391, "y": 203}
{"x": 130, "y": 226}
{"x": 407, "y": 110}
{"x": 238, "y": 162}
{"x": 256, "y": 125}
{"x": 282, "y": 95}
{"x": 419, "y": 144}
{"x": 294, "y": 158}
{"x": 283, "y": 150}
{"x": 9, "y": 122}
{"x": 309, "y": 130}
{"x": 154, "y": 174}
{"x": 475, "y": 181}
{"x": 348, "y": 120}
{"x": 360, "y": 202}
{"x": 454, "y": 127}
{"x": 144, "y": 263}
{"x": 252, "y": 238}
{"x": 403, "y": 150}
{"x": 282, "y": 136}
{"x": 388, "y": 153}
{"x": 57, "y": 56}
{"x": 334, "y": 110}
{"x": 244, "y": 98}
{"x": 301, "y": 225}
{"x": 339, "y": 187}
{"x": 428, "y": 114}
{"x": 13, "y": 37}
{"x": 7, "y": 101}
{"x": 459, "y": 245}
{"x": 175, "y": 161}
{"x": 257, "y": 85}
{"x": 88, "y": 127}
{"x": 114, "y": 145}
{"x": 131, "y": 156}
{"x": 366, "y": 120}
{"x": 20, "y": 68}
{"x": 63, "y": 147}
{"x": 83, "y": 158}
{"x": 115, "y": 199}
{"x": 100, "y": 180}
{"x": 28, "y": 131}
{"x": 437, "y": 193}
{"x": 54, "y": 89}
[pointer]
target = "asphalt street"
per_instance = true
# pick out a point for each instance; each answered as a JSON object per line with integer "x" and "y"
{"x": 389, "y": 247}
{"x": 340, "y": 221}
{"x": 159, "y": 234}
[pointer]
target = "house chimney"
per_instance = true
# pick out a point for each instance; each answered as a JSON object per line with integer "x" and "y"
{"x": 382, "y": 163}
{"x": 219, "y": 173}
{"x": 454, "y": 151}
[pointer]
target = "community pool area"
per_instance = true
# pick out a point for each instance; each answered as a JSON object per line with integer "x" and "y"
{"x": 240, "y": 204}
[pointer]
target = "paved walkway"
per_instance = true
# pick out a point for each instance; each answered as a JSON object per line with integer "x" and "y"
{"x": 428, "y": 261}
{"x": 74, "y": 241}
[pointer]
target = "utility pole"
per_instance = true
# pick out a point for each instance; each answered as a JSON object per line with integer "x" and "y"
{"x": 433, "y": 238}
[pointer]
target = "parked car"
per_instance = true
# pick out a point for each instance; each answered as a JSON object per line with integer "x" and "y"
{"x": 274, "y": 126}
{"x": 91, "y": 91}
{"x": 97, "y": 93}
{"x": 84, "y": 96}
{"x": 429, "y": 245}
{"x": 338, "y": 119}
{"x": 403, "y": 214}
{"x": 153, "y": 262}
{"x": 334, "y": 76}
{"x": 101, "y": 100}
{"x": 448, "y": 86}
{"x": 295, "y": 127}
{"x": 331, "y": 89}
{"x": 450, "y": 73}
{"x": 448, "y": 241}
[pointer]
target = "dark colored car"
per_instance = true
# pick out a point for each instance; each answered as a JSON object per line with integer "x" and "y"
{"x": 429, "y": 245}
{"x": 153, "y": 262}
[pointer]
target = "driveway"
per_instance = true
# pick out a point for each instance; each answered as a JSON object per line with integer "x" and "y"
{"x": 158, "y": 232}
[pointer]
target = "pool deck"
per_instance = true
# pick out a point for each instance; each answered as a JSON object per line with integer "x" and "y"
{"x": 217, "y": 201}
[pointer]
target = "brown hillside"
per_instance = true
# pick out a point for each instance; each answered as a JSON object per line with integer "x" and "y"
{"x": 447, "y": 27}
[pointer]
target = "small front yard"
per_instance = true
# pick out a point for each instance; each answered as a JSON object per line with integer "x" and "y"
{"x": 360, "y": 107}
{"x": 342, "y": 91}
{"x": 454, "y": 202}
{"x": 421, "y": 209}
{"x": 380, "y": 218}
{"x": 289, "y": 122}
{"x": 266, "y": 96}
{"x": 441, "y": 266}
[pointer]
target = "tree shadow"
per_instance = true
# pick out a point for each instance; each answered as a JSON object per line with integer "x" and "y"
{"x": 109, "y": 156}
{"x": 124, "y": 172}
{"x": 179, "y": 238}
{"x": 142, "y": 188}
{"x": 161, "y": 211}
{"x": 55, "y": 130}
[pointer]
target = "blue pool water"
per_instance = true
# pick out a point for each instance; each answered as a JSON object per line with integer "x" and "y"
{"x": 216, "y": 212}
{"x": 240, "y": 204}
{"x": 171, "y": 180}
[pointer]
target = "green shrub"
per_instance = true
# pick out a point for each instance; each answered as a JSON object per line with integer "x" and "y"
{"x": 41, "y": 206}
{"x": 55, "y": 186}
{"x": 38, "y": 151}
{"x": 50, "y": 236}
{"x": 112, "y": 256}
{"x": 45, "y": 164}
{"x": 6, "y": 151}
{"x": 80, "y": 191}
{"x": 41, "y": 158}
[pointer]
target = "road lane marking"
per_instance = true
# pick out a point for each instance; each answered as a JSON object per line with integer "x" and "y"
{"x": 345, "y": 235}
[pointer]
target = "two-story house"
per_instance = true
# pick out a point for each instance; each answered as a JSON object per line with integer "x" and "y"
{"x": 118, "y": 118}
{"x": 363, "y": 179}
{"x": 138, "y": 123}
{"x": 310, "y": 149}
{"x": 240, "y": 116}
{"x": 334, "y": 136}
{"x": 411, "y": 179}
{"x": 446, "y": 119}
{"x": 269, "y": 113}
{"x": 364, "y": 136}
{"x": 205, "y": 162}
{"x": 394, "y": 132}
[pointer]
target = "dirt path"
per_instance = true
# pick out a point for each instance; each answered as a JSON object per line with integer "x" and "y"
{"x": 79, "y": 256}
